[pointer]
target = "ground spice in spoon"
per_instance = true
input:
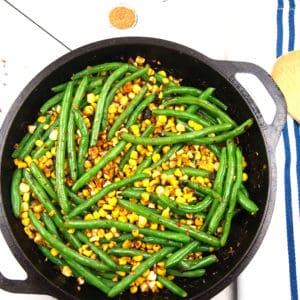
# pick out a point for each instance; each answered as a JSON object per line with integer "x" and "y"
{"x": 122, "y": 17}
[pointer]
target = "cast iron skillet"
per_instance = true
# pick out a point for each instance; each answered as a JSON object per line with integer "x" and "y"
{"x": 258, "y": 145}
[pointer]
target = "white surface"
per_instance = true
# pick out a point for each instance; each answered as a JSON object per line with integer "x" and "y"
{"x": 232, "y": 30}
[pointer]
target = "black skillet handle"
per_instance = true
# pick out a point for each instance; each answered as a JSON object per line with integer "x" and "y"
{"x": 27, "y": 286}
{"x": 272, "y": 131}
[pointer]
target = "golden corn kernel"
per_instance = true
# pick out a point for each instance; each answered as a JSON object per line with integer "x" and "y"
{"x": 26, "y": 197}
{"x": 156, "y": 157}
{"x": 153, "y": 226}
{"x": 107, "y": 207}
{"x": 38, "y": 208}
{"x": 195, "y": 125}
{"x": 91, "y": 98}
{"x": 142, "y": 221}
{"x": 161, "y": 271}
{"x": 24, "y": 187}
{"x": 126, "y": 244}
{"x": 133, "y": 289}
{"x": 41, "y": 119}
{"x": 245, "y": 176}
{"x": 161, "y": 120}
{"x": 66, "y": 271}
{"x": 88, "y": 217}
{"x": 113, "y": 201}
{"x": 166, "y": 212}
{"x": 53, "y": 135}
{"x": 108, "y": 236}
{"x": 121, "y": 273}
{"x": 88, "y": 110}
{"x": 135, "y": 232}
{"x": 159, "y": 284}
{"x": 54, "y": 252}
{"x": 133, "y": 218}
{"x": 135, "y": 129}
{"x": 122, "y": 261}
{"x": 124, "y": 100}
{"x": 137, "y": 258}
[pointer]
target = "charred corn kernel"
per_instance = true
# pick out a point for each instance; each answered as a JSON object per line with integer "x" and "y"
{"x": 138, "y": 258}
{"x": 53, "y": 134}
{"x": 126, "y": 244}
{"x": 26, "y": 197}
{"x": 135, "y": 129}
{"x": 91, "y": 98}
{"x": 245, "y": 176}
{"x": 133, "y": 289}
{"x": 156, "y": 157}
{"x": 24, "y": 187}
{"x": 142, "y": 221}
{"x": 66, "y": 271}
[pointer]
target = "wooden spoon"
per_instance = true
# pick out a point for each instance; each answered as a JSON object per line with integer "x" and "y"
{"x": 286, "y": 73}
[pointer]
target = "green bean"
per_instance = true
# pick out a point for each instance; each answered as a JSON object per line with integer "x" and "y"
{"x": 204, "y": 189}
{"x": 127, "y": 227}
{"x": 84, "y": 141}
{"x": 174, "y": 149}
{"x": 216, "y": 218}
{"x": 126, "y": 113}
{"x": 61, "y": 148}
{"x": 195, "y": 172}
{"x": 180, "y": 115}
{"x": 27, "y": 148}
{"x": 188, "y": 274}
{"x": 105, "y": 190}
{"x": 50, "y": 224}
{"x": 126, "y": 157}
{"x": 246, "y": 203}
{"x": 101, "y": 102}
{"x": 63, "y": 249}
{"x": 214, "y": 149}
{"x": 88, "y": 275}
{"x": 96, "y": 82}
{"x": 174, "y": 139}
{"x": 205, "y": 104}
{"x": 42, "y": 179}
{"x": 54, "y": 259}
{"x": 139, "y": 271}
{"x": 189, "y": 265}
{"x": 180, "y": 254}
{"x": 233, "y": 196}
{"x": 21, "y": 145}
{"x": 165, "y": 201}
{"x": 101, "y": 254}
{"x": 172, "y": 286}
{"x": 116, "y": 87}
{"x": 140, "y": 108}
{"x": 51, "y": 102}
{"x": 162, "y": 241}
{"x": 169, "y": 223}
{"x": 43, "y": 197}
{"x": 108, "y": 157}
{"x": 16, "y": 199}
{"x": 59, "y": 88}
{"x": 224, "y": 136}
{"x": 217, "y": 186}
{"x": 110, "y": 66}
{"x": 127, "y": 252}
{"x": 182, "y": 90}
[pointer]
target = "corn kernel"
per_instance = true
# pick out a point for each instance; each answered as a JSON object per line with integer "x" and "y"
{"x": 195, "y": 125}
{"x": 66, "y": 271}
{"x": 153, "y": 226}
{"x": 159, "y": 284}
{"x": 133, "y": 289}
{"x": 26, "y": 197}
{"x": 126, "y": 244}
{"x": 138, "y": 258}
{"x": 54, "y": 252}
{"x": 166, "y": 212}
{"x": 108, "y": 236}
{"x": 88, "y": 110}
{"x": 142, "y": 221}
{"x": 161, "y": 271}
{"x": 135, "y": 129}
{"x": 91, "y": 98}
{"x": 53, "y": 135}
{"x": 135, "y": 233}
{"x": 245, "y": 176}
{"x": 156, "y": 157}
{"x": 24, "y": 187}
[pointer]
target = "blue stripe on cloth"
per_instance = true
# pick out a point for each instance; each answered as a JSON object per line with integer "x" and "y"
{"x": 288, "y": 194}
{"x": 297, "y": 139}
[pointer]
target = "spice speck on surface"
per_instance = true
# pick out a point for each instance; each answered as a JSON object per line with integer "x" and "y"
{"x": 122, "y": 17}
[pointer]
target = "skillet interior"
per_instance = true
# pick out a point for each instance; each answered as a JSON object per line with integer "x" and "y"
{"x": 195, "y": 70}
